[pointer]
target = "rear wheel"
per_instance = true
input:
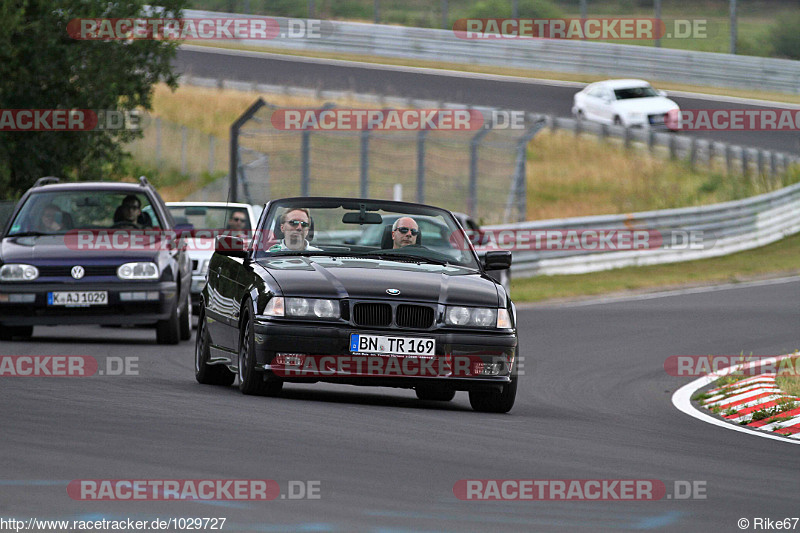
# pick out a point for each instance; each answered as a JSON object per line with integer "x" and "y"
{"x": 433, "y": 393}
{"x": 617, "y": 120}
{"x": 251, "y": 381}
{"x": 203, "y": 372}
{"x": 22, "y": 332}
{"x": 168, "y": 331}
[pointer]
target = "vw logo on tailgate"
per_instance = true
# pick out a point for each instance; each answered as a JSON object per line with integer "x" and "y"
{"x": 77, "y": 272}
{"x": 393, "y": 292}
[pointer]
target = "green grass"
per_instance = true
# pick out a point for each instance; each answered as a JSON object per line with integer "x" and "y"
{"x": 779, "y": 258}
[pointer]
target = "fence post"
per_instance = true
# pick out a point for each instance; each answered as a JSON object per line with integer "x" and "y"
{"x": 519, "y": 187}
{"x": 673, "y": 147}
{"x": 729, "y": 159}
{"x": 626, "y": 136}
{"x": 233, "y": 149}
{"x": 421, "y": 165}
{"x": 364, "y": 163}
{"x": 651, "y": 140}
{"x": 745, "y": 166}
{"x": 692, "y": 152}
{"x": 474, "y": 144}
{"x": 760, "y": 161}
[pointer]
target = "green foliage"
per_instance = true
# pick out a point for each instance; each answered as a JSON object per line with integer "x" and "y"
{"x": 785, "y": 36}
{"x": 527, "y": 9}
{"x": 42, "y": 67}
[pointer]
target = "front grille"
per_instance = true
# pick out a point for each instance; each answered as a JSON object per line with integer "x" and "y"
{"x": 414, "y": 316}
{"x": 371, "y": 314}
{"x": 66, "y": 271}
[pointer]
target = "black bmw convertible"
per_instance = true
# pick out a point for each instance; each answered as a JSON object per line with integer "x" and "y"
{"x": 299, "y": 300}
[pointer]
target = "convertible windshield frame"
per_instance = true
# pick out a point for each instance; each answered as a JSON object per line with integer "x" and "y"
{"x": 463, "y": 255}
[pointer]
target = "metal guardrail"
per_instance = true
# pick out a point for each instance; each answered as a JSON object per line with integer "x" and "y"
{"x": 726, "y": 228}
{"x": 571, "y": 56}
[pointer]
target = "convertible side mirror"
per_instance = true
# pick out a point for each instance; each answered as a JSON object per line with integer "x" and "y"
{"x": 230, "y": 246}
{"x": 496, "y": 260}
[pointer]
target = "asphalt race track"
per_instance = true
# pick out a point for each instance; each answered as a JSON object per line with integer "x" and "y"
{"x": 594, "y": 403}
{"x": 522, "y": 94}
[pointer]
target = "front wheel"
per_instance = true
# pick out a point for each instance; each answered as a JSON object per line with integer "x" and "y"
{"x": 168, "y": 331}
{"x": 9, "y": 332}
{"x": 186, "y": 319}
{"x": 251, "y": 381}
{"x": 203, "y": 372}
{"x": 493, "y": 401}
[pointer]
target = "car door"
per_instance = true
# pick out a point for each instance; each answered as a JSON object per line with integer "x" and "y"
{"x": 594, "y": 103}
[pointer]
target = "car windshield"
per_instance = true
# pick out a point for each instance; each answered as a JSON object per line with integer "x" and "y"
{"x": 57, "y": 212}
{"x": 363, "y": 228}
{"x": 635, "y": 92}
{"x": 211, "y": 217}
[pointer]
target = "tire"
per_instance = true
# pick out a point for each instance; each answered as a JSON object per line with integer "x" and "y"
{"x": 493, "y": 401}
{"x": 168, "y": 331}
{"x": 432, "y": 393}
{"x": 579, "y": 115}
{"x": 251, "y": 381}
{"x": 9, "y": 332}
{"x": 617, "y": 121}
{"x": 186, "y": 319}
{"x": 203, "y": 372}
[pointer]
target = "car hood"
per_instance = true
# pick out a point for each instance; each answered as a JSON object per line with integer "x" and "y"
{"x": 370, "y": 278}
{"x": 50, "y": 249}
{"x": 651, "y": 105}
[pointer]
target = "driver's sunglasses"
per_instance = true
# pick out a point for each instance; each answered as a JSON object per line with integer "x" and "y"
{"x": 413, "y": 231}
{"x": 235, "y": 219}
{"x": 295, "y": 223}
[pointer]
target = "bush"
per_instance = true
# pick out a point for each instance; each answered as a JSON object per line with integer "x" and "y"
{"x": 785, "y": 36}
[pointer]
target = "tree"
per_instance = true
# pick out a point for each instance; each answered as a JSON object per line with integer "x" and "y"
{"x": 42, "y": 67}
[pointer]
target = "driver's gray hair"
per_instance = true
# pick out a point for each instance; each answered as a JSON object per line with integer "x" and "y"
{"x": 396, "y": 222}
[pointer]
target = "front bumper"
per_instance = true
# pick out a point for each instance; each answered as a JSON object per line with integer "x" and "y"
{"x": 326, "y": 350}
{"x": 116, "y": 312}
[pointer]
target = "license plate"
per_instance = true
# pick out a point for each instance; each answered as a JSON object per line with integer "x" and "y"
{"x": 379, "y": 344}
{"x": 78, "y": 298}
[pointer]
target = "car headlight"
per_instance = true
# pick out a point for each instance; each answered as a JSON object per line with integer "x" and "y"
{"x": 477, "y": 317}
{"x": 18, "y": 272}
{"x": 144, "y": 270}
{"x": 302, "y": 307}
{"x": 636, "y": 116}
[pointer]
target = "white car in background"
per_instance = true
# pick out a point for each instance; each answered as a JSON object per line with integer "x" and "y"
{"x": 626, "y": 103}
{"x": 198, "y": 216}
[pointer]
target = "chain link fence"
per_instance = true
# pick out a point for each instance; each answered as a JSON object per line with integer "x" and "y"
{"x": 480, "y": 171}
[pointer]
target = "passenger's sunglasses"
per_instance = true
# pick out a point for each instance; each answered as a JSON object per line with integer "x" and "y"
{"x": 414, "y": 232}
{"x": 295, "y": 223}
